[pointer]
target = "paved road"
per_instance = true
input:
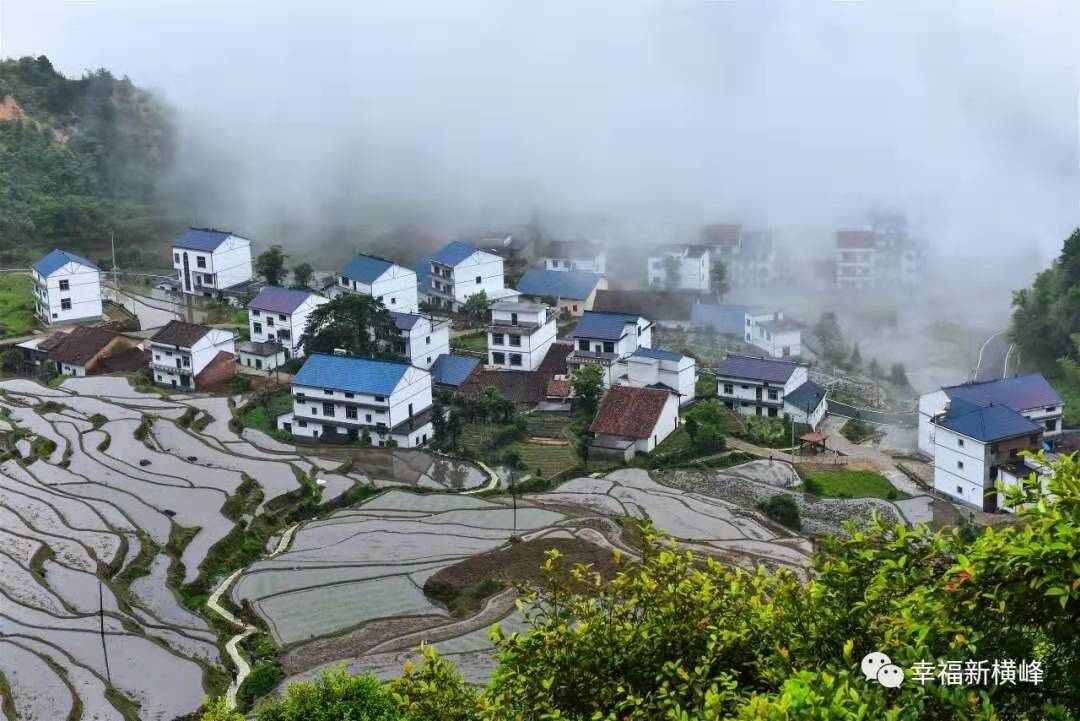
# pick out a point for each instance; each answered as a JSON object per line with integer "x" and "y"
{"x": 844, "y": 410}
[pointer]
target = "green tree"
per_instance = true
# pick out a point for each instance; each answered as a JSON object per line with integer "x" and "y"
{"x": 302, "y": 275}
{"x": 587, "y": 384}
{"x": 438, "y": 421}
{"x": 359, "y": 324}
{"x": 708, "y": 420}
{"x": 476, "y": 307}
{"x": 1046, "y": 315}
{"x": 856, "y": 357}
{"x": 898, "y": 376}
{"x": 874, "y": 369}
{"x": 271, "y": 265}
{"x": 718, "y": 279}
{"x": 829, "y": 336}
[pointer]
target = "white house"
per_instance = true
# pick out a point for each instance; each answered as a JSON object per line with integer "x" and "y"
{"x": 337, "y": 397}
{"x": 1029, "y": 395}
{"x": 260, "y": 355}
{"x": 608, "y": 339}
{"x": 575, "y": 255}
{"x": 208, "y": 261}
{"x": 681, "y": 267}
{"x": 767, "y": 387}
{"x": 778, "y": 336}
{"x": 976, "y": 446}
{"x": 280, "y": 315}
{"x": 753, "y": 263}
{"x": 652, "y": 368}
{"x": 421, "y": 338}
{"x": 188, "y": 355}
{"x": 806, "y": 404}
{"x": 880, "y": 257}
{"x": 385, "y": 280}
{"x": 67, "y": 289}
{"x": 458, "y": 270}
{"x": 91, "y": 350}
{"x": 520, "y": 335}
{"x": 631, "y": 421}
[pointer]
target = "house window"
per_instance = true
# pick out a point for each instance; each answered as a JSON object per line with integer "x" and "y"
{"x": 515, "y": 359}
{"x": 959, "y": 490}
{"x": 269, "y": 322}
{"x": 176, "y": 257}
{"x": 575, "y": 309}
{"x": 428, "y": 340}
{"x": 393, "y": 300}
{"x": 498, "y": 359}
{"x": 328, "y": 409}
{"x": 773, "y": 394}
{"x": 367, "y": 417}
{"x": 300, "y": 398}
{"x": 328, "y": 392}
{"x": 350, "y": 395}
{"x": 255, "y": 312}
{"x": 496, "y": 339}
{"x": 187, "y": 361}
{"x": 772, "y": 412}
{"x": 303, "y": 424}
{"x": 258, "y": 363}
{"x": 583, "y": 344}
{"x": 515, "y": 340}
{"x": 729, "y": 389}
{"x": 960, "y": 465}
{"x": 478, "y": 280}
{"x": 379, "y": 399}
{"x": 200, "y": 262}
{"x": 256, "y": 327}
{"x": 609, "y": 346}
{"x": 65, "y": 285}
{"x": 281, "y": 316}
{"x": 1049, "y": 409}
{"x": 960, "y": 442}
{"x": 65, "y": 304}
{"x": 1051, "y": 425}
{"x": 350, "y": 412}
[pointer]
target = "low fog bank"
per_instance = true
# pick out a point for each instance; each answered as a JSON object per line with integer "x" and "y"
{"x": 324, "y": 126}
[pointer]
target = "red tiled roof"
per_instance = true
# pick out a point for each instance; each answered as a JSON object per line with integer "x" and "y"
{"x": 519, "y": 386}
{"x": 554, "y": 362}
{"x": 630, "y": 412}
{"x": 80, "y": 345}
{"x": 558, "y": 389}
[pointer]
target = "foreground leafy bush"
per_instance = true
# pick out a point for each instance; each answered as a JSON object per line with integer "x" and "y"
{"x": 681, "y": 637}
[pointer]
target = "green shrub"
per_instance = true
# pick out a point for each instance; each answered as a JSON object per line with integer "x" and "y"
{"x": 263, "y": 679}
{"x": 335, "y": 696}
{"x": 783, "y": 509}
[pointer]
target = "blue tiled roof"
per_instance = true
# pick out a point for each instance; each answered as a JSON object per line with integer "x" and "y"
{"x": 723, "y": 319}
{"x": 989, "y": 423}
{"x": 605, "y": 326}
{"x": 572, "y": 284}
{"x": 452, "y": 370}
{"x": 404, "y": 321}
{"x": 759, "y": 369}
{"x": 58, "y": 259}
{"x": 1019, "y": 393}
{"x": 453, "y": 253}
{"x": 204, "y": 239}
{"x": 279, "y": 300}
{"x": 365, "y": 268}
{"x": 806, "y": 397}
{"x": 667, "y": 355}
{"x": 349, "y": 373}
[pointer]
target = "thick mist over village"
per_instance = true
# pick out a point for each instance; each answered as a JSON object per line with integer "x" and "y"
{"x": 630, "y": 122}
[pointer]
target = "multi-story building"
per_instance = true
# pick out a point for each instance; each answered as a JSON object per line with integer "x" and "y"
{"x": 681, "y": 267}
{"x": 339, "y": 398}
{"x": 280, "y": 315}
{"x": 880, "y": 256}
{"x": 1029, "y": 395}
{"x": 749, "y": 256}
{"x": 421, "y": 338}
{"x": 653, "y": 368}
{"x": 767, "y": 387}
{"x": 520, "y": 335}
{"x": 384, "y": 280}
{"x": 67, "y": 289}
{"x": 209, "y": 261}
{"x": 571, "y": 292}
{"x": 608, "y": 339}
{"x": 575, "y": 255}
{"x": 977, "y": 446}
{"x": 188, "y": 355}
{"x": 458, "y": 270}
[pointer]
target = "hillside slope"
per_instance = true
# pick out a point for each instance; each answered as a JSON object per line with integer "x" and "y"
{"x": 79, "y": 158}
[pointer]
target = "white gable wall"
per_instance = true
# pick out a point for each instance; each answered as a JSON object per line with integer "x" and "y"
{"x": 479, "y": 272}
{"x": 74, "y": 285}
{"x": 665, "y": 425}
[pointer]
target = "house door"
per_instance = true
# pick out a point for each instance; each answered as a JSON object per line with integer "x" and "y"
{"x": 185, "y": 380}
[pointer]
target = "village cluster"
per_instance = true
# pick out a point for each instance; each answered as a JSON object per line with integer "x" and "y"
{"x": 559, "y": 317}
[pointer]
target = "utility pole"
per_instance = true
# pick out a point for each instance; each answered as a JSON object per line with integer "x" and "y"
{"x": 112, "y": 242}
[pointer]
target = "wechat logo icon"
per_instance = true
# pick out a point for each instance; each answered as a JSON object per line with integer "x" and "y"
{"x": 876, "y": 666}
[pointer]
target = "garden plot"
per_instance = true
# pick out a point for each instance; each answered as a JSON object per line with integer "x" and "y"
{"x": 370, "y": 563}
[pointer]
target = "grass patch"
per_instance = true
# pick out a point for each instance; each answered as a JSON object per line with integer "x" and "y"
{"x": 245, "y": 500}
{"x": 848, "y": 483}
{"x": 857, "y": 430}
{"x": 189, "y": 415}
{"x": 98, "y": 420}
{"x": 770, "y": 432}
{"x": 262, "y": 412}
{"x": 16, "y": 305}
{"x": 476, "y": 343}
{"x": 705, "y": 387}
{"x": 49, "y": 407}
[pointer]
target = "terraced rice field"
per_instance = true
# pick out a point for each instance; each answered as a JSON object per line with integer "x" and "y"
{"x": 104, "y": 495}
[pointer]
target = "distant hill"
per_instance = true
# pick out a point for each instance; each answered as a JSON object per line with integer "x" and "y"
{"x": 79, "y": 158}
